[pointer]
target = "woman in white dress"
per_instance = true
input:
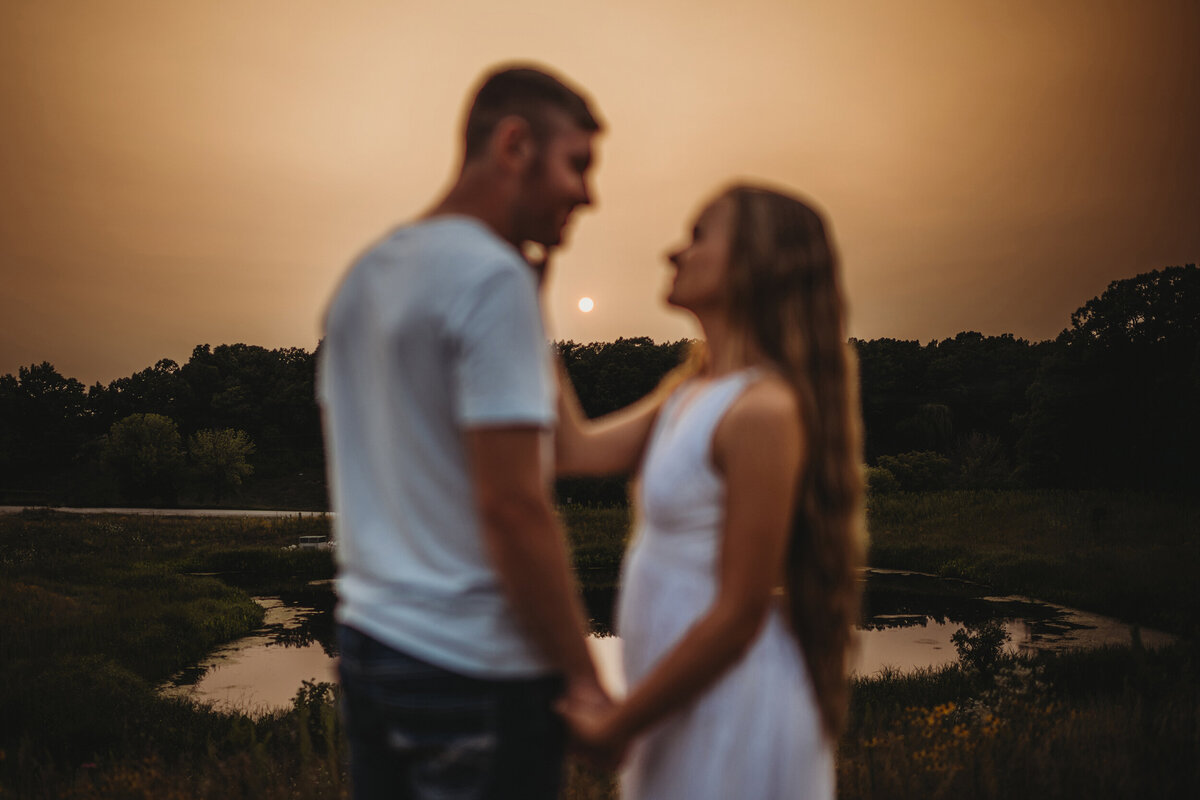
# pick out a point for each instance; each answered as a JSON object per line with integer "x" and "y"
{"x": 740, "y": 589}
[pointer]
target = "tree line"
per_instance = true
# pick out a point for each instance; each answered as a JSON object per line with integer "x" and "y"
{"x": 1112, "y": 402}
{"x": 233, "y": 417}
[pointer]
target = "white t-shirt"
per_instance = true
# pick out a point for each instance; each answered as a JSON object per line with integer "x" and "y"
{"x": 436, "y": 329}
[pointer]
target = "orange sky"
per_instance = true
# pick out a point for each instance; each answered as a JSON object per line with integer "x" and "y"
{"x": 189, "y": 172}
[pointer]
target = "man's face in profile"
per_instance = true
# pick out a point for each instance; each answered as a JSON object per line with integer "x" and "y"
{"x": 556, "y": 183}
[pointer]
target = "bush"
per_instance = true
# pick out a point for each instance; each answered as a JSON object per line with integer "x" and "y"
{"x": 881, "y": 481}
{"x": 919, "y": 471}
{"x": 979, "y": 646}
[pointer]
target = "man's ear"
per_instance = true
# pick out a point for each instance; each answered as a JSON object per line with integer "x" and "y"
{"x": 512, "y": 143}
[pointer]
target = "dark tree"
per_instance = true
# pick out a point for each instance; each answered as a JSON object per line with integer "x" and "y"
{"x": 42, "y": 426}
{"x": 892, "y": 373}
{"x": 984, "y": 380}
{"x": 608, "y": 376}
{"x": 144, "y": 454}
{"x": 1112, "y": 402}
{"x": 269, "y": 394}
{"x": 958, "y": 397}
{"x": 155, "y": 390}
{"x": 1116, "y": 402}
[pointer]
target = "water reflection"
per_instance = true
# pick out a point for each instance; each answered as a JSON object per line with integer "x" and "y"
{"x": 925, "y": 644}
{"x": 261, "y": 672}
{"x": 903, "y": 610}
{"x": 908, "y": 621}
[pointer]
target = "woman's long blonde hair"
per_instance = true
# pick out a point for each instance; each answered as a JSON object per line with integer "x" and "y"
{"x": 785, "y": 296}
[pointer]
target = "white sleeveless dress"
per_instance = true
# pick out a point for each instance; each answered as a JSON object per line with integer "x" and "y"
{"x": 755, "y": 734}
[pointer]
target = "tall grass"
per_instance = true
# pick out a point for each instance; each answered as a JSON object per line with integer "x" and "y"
{"x": 1110, "y": 723}
{"x": 188, "y": 752}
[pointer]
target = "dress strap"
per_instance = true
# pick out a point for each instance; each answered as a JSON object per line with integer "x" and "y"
{"x": 702, "y": 407}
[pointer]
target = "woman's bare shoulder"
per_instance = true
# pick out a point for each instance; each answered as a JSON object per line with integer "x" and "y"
{"x": 764, "y": 417}
{"x": 769, "y": 397}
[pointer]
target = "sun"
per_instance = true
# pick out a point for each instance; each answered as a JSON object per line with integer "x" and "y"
{"x": 586, "y": 304}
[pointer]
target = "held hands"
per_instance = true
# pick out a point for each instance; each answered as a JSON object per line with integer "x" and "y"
{"x": 591, "y": 718}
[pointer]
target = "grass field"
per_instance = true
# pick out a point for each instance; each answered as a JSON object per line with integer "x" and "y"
{"x": 1132, "y": 556}
{"x": 95, "y": 611}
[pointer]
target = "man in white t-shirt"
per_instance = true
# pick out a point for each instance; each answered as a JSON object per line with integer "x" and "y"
{"x": 459, "y": 623}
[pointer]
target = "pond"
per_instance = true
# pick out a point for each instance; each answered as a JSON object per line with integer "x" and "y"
{"x": 261, "y": 672}
{"x": 908, "y": 621}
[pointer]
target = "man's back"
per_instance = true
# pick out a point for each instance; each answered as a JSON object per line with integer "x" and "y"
{"x": 434, "y": 330}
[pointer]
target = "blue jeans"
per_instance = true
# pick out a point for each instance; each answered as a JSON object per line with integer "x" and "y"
{"x": 418, "y": 731}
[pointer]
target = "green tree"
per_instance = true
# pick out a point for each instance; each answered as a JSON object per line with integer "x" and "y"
{"x": 143, "y": 452}
{"x": 219, "y": 459}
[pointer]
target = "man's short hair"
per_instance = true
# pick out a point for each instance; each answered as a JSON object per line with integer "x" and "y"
{"x": 528, "y": 93}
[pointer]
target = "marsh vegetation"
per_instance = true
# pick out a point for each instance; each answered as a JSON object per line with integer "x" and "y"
{"x": 96, "y": 611}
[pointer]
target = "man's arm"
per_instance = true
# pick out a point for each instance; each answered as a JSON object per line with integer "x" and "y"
{"x": 527, "y": 547}
{"x": 610, "y": 445}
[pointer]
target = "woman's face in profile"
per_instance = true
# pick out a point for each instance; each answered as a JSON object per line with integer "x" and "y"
{"x": 702, "y": 267}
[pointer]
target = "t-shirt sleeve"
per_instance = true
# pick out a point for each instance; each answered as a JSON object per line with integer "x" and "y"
{"x": 502, "y": 367}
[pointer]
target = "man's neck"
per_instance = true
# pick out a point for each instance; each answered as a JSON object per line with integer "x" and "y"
{"x": 476, "y": 195}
